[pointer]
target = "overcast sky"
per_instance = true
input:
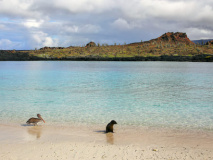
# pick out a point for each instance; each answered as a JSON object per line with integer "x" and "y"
{"x": 30, "y": 24}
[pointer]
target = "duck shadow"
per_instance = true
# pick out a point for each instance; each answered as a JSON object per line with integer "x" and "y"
{"x": 33, "y": 130}
{"x": 109, "y": 136}
{"x": 100, "y": 131}
{"x": 26, "y": 125}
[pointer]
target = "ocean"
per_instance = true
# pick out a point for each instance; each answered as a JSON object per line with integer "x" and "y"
{"x": 176, "y": 95}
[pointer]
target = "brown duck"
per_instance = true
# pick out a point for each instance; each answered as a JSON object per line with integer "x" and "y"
{"x": 35, "y": 120}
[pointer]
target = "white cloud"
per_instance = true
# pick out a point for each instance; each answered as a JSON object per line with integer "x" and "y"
{"x": 17, "y": 8}
{"x": 6, "y": 44}
{"x": 122, "y": 24}
{"x": 36, "y": 23}
{"x": 2, "y": 26}
{"x": 32, "y": 23}
{"x": 195, "y": 33}
{"x": 134, "y": 9}
{"x": 87, "y": 29}
{"x": 204, "y": 31}
{"x": 40, "y": 39}
{"x": 72, "y": 29}
{"x": 48, "y": 41}
{"x": 167, "y": 9}
{"x": 85, "y": 6}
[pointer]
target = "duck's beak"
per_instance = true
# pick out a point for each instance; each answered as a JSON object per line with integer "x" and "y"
{"x": 43, "y": 120}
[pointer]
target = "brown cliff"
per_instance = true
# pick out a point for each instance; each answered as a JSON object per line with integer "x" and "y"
{"x": 91, "y": 44}
{"x": 171, "y": 37}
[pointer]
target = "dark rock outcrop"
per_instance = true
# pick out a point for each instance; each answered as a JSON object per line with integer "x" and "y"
{"x": 46, "y": 48}
{"x": 171, "y": 37}
{"x": 91, "y": 44}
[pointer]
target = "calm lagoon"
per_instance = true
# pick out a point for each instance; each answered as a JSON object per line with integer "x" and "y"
{"x": 152, "y": 94}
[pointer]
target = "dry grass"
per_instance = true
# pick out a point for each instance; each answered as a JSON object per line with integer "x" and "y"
{"x": 138, "y": 50}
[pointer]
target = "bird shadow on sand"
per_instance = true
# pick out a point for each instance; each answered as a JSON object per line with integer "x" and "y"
{"x": 100, "y": 131}
{"x": 109, "y": 136}
{"x": 35, "y": 131}
{"x": 27, "y": 125}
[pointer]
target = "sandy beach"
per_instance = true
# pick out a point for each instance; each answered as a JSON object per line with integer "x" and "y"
{"x": 21, "y": 142}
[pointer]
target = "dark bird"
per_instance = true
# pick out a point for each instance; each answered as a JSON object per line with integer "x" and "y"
{"x": 35, "y": 120}
{"x": 109, "y": 127}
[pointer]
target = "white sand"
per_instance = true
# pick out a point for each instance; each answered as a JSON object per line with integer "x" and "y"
{"x": 90, "y": 142}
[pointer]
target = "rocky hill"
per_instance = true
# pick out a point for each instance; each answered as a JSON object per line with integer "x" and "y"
{"x": 91, "y": 44}
{"x": 169, "y": 37}
{"x": 168, "y": 47}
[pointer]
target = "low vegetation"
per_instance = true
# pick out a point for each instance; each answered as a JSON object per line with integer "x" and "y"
{"x": 119, "y": 51}
{"x": 157, "y": 49}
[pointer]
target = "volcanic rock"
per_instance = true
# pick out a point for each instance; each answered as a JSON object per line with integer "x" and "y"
{"x": 172, "y": 37}
{"x": 91, "y": 44}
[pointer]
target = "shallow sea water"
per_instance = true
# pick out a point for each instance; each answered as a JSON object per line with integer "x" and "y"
{"x": 152, "y": 94}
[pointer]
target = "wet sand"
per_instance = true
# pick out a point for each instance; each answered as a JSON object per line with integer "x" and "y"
{"x": 91, "y": 142}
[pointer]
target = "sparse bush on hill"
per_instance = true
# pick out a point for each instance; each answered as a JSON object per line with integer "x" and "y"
{"x": 171, "y": 44}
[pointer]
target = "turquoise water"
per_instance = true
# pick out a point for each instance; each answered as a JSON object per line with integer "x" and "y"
{"x": 157, "y": 94}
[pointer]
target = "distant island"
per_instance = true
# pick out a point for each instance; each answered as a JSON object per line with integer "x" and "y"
{"x": 202, "y": 41}
{"x": 168, "y": 47}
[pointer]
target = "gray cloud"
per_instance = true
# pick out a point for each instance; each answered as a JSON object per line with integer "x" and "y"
{"x": 36, "y": 23}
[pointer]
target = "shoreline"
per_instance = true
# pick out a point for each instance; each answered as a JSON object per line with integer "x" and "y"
{"x": 6, "y": 55}
{"x": 196, "y": 58}
{"x": 86, "y": 142}
{"x": 120, "y": 126}
{"x": 93, "y": 130}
